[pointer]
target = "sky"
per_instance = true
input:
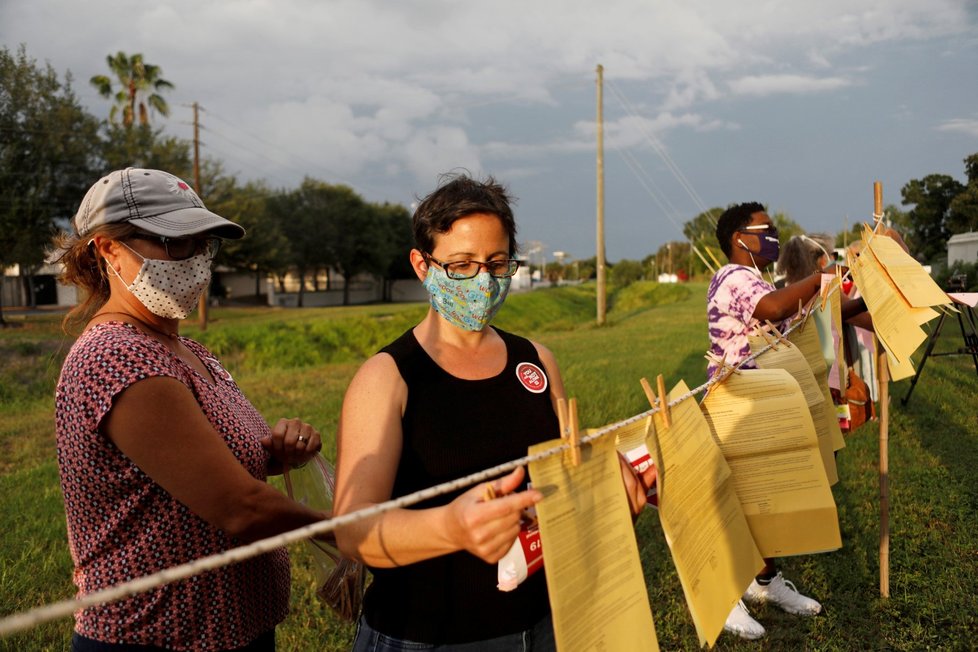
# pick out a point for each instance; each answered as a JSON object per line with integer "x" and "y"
{"x": 798, "y": 105}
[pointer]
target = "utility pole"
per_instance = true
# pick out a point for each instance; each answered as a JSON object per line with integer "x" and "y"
{"x": 600, "y": 262}
{"x": 202, "y": 304}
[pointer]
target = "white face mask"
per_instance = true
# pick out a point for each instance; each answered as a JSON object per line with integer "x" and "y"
{"x": 170, "y": 288}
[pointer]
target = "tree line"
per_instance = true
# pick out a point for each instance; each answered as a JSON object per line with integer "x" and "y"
{"x": 940, "y": 206}
{"x": 51, "y": 149}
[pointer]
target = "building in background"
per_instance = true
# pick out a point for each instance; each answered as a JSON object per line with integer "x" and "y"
{"x": 963, "y": 247}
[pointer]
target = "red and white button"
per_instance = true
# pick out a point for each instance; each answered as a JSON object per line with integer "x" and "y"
{"x": 531, "y": 377}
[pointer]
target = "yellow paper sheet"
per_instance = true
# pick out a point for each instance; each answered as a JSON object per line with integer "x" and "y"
{"x": 597, "y": 589}
{"x": 899, "y": 370}
{"x": 791, "y": 359}
{"x": 808, "y": 344}
{"x": 704, "y": 524}
{"x": 766, "y": 434}
{"x": 833, "y": 290}
{"x": 909, "y": 276}
{"x": 910, "y": 273}
{"x": 895, "y": 321}
{"x": 630, "y": 439}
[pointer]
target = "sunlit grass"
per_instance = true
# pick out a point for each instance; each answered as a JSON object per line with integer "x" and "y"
{"x": 298, "y": 363}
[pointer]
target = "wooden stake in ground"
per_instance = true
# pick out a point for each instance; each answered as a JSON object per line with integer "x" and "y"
{"x": 883, "y": 375}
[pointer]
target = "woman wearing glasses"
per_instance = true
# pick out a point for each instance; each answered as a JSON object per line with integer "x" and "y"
{"x": 450, "y": 397}
{"x": 162, "y": 458}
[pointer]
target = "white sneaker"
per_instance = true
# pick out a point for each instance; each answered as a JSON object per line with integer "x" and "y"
{"x": 782, "y": 592}
{"x": 739, "y": 622}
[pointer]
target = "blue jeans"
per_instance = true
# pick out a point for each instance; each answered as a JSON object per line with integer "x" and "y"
{"x": 264, "y": 643}
{"x": 538, "y": 639}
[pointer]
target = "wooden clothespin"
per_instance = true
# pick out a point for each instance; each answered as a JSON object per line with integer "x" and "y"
{"x": 805, "y": 311}
{"x": 723, "y": 370}
{"x": 801, "y": 316}
{"x": 574, "y": 437}
{"x": 649, "y": 394}
{"x": 762, "y": 331}
{"x": 777, "y": 334}
{"x": 650, "y": 429}
{"x": 654, "y": 436}
{"x": 650, "y": 397}
{"x": 721, "y": 364}
{"x": 824, "y": 295}
{"x": 562, "y": 418}
{"x": 569, "y": 430}
{"x": 660, "y": 383}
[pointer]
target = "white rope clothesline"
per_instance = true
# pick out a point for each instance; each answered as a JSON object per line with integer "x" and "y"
{"x": 46, "y": 613}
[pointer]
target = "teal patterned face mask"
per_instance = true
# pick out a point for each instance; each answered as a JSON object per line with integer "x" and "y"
{"x": 467, "y": 303}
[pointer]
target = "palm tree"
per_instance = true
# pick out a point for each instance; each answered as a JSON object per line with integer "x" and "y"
{"x": 140, "y": 84}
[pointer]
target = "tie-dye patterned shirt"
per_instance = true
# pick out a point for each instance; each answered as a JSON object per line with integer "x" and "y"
{"x": 734, "y": 293}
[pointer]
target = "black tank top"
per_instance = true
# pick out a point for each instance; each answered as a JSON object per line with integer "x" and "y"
{"x": 452, "y": 428}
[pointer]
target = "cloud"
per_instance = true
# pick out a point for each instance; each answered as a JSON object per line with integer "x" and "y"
{"x": 370, "y": 85}
{"x": 818, "y": 59}
{"x": 785, "y": 84}
{"x": 435, "y": 150}
{"x": 689, "y": 88}
{"x": 621, "y": 133}
{"x": 632, "y": 130}
{"x": 968, "y": 126}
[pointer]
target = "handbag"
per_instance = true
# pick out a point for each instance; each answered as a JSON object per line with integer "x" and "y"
{"x": 856, "y": 394}
{"x": 861, "y": 406}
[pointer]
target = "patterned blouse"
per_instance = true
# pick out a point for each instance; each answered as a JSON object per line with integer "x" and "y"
{"x": 122, "y": 525}
{"x": 734, "y": 293}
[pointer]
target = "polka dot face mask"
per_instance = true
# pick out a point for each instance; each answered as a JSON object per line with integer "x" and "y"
{"x": 170, "y": 288}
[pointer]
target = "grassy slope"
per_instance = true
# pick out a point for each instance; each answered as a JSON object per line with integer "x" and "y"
{"x": 299, "y": 362}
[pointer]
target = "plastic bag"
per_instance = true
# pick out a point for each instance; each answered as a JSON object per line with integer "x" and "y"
{"x": 340, "y": 580}
{"x": 525, "y": 556}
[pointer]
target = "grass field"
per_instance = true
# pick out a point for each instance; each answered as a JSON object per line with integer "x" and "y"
{"x": 298, "y": 363}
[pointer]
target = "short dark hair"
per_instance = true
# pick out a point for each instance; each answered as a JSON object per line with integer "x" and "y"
{"x": 733, "y": 219}
{"x": 459, "y": 195}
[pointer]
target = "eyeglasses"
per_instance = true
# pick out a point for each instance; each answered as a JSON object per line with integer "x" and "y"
{"x": 760, "y": 229}
{"x": 182, "y": 248}
{"x": 459, "y": 270}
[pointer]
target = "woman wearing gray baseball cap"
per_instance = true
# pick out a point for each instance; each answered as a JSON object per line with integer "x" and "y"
{"x": 162, "y": 458}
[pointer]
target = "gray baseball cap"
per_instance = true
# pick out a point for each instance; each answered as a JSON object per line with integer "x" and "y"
{"x": 152, "y": 200}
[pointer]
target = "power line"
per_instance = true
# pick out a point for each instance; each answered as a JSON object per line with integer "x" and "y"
{"x": 692, "y": 244}
{"x": 661, "y": 151}
{"x": 644, "y": 178}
